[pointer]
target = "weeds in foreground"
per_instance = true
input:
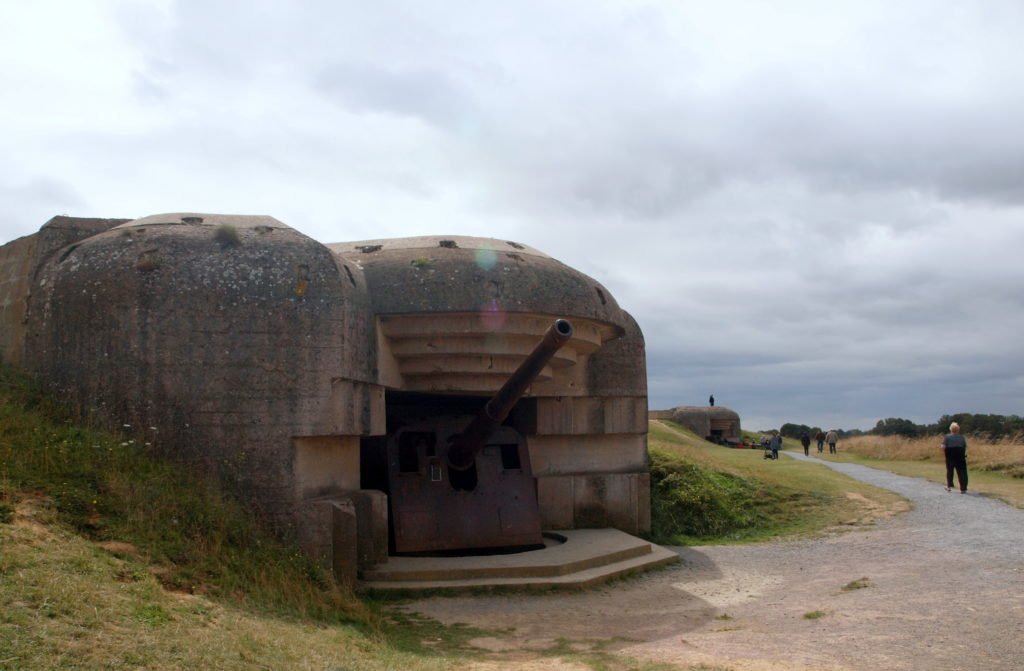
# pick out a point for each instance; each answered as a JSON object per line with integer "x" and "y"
{"x": 227, "y": 235}
{"x": 598, "y": 656}
{"x": 413, "y": 633}
{"x": 6, "y": 512}
{"x": 859, "y": 583}
{"x": 815, "y": 615}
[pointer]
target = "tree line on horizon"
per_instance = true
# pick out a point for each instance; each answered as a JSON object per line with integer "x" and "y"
{"x": 993, "y": 427}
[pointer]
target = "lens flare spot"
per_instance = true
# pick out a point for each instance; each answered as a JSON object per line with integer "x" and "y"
{"x": 485, "y": 258}
{"x": 492, "y": 316}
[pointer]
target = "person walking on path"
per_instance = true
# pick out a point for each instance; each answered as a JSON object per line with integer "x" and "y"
{"x": 820, "y": 437}
{"x": 805, "y": 440}
{"x": 775, "y": 444}
{"x": 954, "y": 446}
{"x": 831, "y": 438}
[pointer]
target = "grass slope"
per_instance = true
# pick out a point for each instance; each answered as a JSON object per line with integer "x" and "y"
{"x": 67, "y": 603}
{"x": 109, "y": 489}
{"x": 703, "y": 493}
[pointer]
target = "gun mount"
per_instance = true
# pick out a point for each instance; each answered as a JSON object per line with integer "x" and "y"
{"x": 468, "y": 444}
{"x": 466, "y": 483}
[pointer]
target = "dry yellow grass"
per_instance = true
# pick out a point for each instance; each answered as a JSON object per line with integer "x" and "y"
{"x": 1003, "y": 455}
{"x": 996, "y": 467}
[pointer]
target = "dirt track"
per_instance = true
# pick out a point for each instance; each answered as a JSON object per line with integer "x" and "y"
{"x": 944, "y": 591}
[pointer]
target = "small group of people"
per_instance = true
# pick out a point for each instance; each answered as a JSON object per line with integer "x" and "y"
{"x": 832, "y": 438}
{"x": 954, "y": 448}
{"x": 774, "y": 442}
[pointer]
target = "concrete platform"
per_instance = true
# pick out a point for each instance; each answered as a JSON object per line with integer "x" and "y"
{"x": 572, "y": 559}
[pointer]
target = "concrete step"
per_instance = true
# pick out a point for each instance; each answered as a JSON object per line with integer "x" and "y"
{"x": 571, "y": 551}
{"x": 588, "y": 556}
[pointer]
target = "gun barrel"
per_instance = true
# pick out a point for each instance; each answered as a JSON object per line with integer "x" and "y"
{"x": 465, "y": 447}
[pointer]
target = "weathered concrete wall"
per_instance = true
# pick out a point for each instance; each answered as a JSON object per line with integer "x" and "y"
{"x": 19, "y": 262}
{"x": 592, "y": 414}
{"x": 226, "y": 334}
{"x": 619, "y": 500}
{"x": 588, "y": 454}
{"x": 328, "y": 531}
{"x": 325, "y": 464}
{"x": 619, "y": 368}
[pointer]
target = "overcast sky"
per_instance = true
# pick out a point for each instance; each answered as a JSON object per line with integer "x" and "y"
{"x": 815, "y": 210}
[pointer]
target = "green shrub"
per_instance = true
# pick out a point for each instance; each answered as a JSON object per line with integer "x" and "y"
{"x": 688, "y": 501}
{"x": 859, "y": 583}
{"x": 227, "y": 235}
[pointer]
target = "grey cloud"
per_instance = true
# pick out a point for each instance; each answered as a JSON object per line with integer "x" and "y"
{"x": 210, "y": 38}
{"x": 854, "y": 141}
{"x": 426, "y": 94}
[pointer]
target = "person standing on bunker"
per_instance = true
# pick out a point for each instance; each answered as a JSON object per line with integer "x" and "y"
{"x": 711, "y": 401}
{"x": 831, "y": 438}
{"x": 805, "y": 440}
{"x": 954, "y": 446}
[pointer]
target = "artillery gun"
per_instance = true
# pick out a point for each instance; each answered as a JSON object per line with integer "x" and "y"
{"x": 459, "y": 483}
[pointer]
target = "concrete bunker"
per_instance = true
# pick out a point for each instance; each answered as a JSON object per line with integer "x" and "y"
{"x": 322, "y": 383}
{"x": 713, "y": 423}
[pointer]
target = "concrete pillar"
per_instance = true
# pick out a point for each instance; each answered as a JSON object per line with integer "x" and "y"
{"x": 344, "y": 535}
{"x": 372, "y": 526}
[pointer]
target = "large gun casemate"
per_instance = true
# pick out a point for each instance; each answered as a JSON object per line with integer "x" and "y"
{"x": 459, "y": 482}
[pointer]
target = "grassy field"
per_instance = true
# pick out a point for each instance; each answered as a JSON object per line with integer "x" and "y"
{"x": 996, "y": 468}
{"x": 758, "y": 499}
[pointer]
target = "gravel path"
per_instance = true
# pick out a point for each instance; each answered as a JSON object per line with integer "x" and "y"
{"x": 943, "y": 591}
